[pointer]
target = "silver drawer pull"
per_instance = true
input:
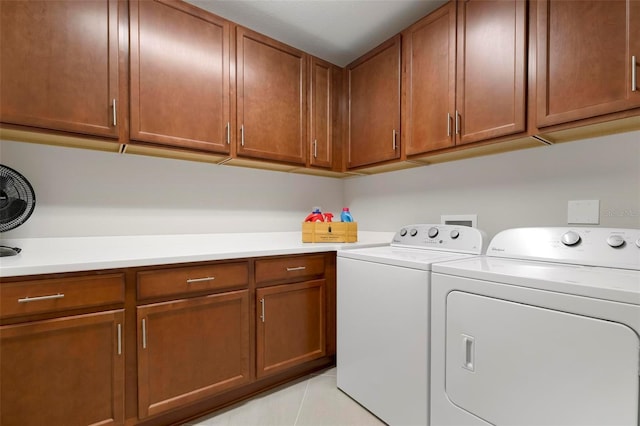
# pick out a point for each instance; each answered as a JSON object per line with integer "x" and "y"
{"x": 297, "y": 268}
{"x": 198, "y": 280}
{"x": 38, "y": 298}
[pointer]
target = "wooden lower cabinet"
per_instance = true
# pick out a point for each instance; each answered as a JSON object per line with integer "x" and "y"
{"x": 190, "y": 349}
{"x": 156, "y": 346}
{"x": 291, "y": 325}
{"x": 65, "y": 371}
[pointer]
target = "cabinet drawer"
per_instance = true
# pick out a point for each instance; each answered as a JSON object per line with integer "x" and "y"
{"x": 287, "y": 268}
{"x": 192, "y": 279}
{"x": 53, "y": 295}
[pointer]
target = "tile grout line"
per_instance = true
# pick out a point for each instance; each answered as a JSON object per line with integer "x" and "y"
{"x": 304, "y": 396}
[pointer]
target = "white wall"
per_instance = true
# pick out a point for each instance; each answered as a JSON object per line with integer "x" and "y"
{"x": 522, "y": 188}
{"x": 82, "y": 192}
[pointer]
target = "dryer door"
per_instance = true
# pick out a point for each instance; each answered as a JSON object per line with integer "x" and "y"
{"x": 515, "y": 364}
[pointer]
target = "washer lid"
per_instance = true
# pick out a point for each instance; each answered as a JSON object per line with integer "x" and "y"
{"x": 620, "y": 285}
{"x": 400, "y": 256}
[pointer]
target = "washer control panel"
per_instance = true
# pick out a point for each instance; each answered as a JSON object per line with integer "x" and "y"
{"x": 457, "y": 238}
{"x": 591, "y": 246}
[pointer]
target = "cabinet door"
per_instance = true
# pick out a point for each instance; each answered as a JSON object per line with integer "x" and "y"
{"x": 374, "y": 106}
{"x": 192, "y": 348}
{"x": 291, "y": 326}
{"x": 429, "y": 80}
{"x": 179, "y": 76}
{"x": 271, "y": 98}
{"x": 321, "y": 110}
{"x": 66, "y": 371}
{"x": 491, "y": 69}
{"x": 59, "y": 65}
{"x": 584, "y": 58}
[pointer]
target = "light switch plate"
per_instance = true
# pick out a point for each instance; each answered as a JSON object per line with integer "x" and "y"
{"x": 583, "y": 212}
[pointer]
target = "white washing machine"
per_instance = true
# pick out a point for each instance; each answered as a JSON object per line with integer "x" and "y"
{"x": 383, "y": 318}
{"x": 544, "y": 330}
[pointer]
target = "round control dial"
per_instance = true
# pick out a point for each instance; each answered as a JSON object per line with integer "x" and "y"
{"x": 570, "y": 238}
{"x": 413, "y": 232}
{"x": 454, "y": 234}
{"x": 433, "y": 232}
{"x": 403, "y": 232}
{"x": 615, "y": 241}
{"x": 638, "y": 242}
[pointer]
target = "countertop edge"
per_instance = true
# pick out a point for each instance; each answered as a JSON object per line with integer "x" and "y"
{"x": 41, "y": 256}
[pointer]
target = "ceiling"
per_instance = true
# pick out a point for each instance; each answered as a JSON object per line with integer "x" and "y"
{"x": 337, "y": 31}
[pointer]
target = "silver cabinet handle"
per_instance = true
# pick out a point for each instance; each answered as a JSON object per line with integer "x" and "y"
{"x": 228, "y": 133}
{"x": 144, "y": 334}
{"x": 395, "y": 144}
{"x": 315, "y": 148}
{"x": 297, "y": 268}
{"x": 119, "y": 339}
{"x": 198, "y": 280}
{"x": 39, "y": 298}
{"x": 242, "y": 135}
{"x": 114, "y": 113}
{"x": 262, "y": 309}
{"x": 634, "y": 82}
{"x": 457, "y": 122}
{"x": 449, "y": 124}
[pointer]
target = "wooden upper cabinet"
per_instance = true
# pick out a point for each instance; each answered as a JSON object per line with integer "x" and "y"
{"x": 584, "y": 58}
{"x": 59, "y": 65}
{"x": 271, "y": 98}
{"x": 374, "y": 106}
{"x": 429, "y": 78}
{"x": 491, "y": 69}
{"x": 179, "y": 76}
{"x": 322, "y": 112}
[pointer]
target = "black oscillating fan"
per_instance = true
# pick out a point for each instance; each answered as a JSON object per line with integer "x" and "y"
{"x": 17, "y": 201}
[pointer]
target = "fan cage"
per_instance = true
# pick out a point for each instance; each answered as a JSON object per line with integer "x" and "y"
{"x": 14, "y": 188}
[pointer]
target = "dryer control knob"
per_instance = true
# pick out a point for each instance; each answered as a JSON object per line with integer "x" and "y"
{"x": 615, "y": 241}
{"x": 454, "y": 234}
{"x": 433, "y": 232}
{"x": 638, "y": 242}
{"x": 570, "y": 238}
{"x": 413, "y": 232}
{"x": 403, "y": 232}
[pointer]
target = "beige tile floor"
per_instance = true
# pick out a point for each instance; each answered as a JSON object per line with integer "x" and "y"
{"x": 312, "y": 401}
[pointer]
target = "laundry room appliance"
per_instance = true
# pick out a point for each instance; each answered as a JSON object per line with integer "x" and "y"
{"x": 543, "y": 330}
{"x": 383, "y": 318}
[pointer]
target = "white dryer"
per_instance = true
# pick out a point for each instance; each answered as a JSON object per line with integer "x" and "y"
{"x": 383, "y": 318}
{"x": 544, "y": 330}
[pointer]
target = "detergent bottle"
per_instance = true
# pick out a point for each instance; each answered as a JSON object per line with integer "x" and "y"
{"x": 315, "y": 216}
{"x": 345, "y": 216}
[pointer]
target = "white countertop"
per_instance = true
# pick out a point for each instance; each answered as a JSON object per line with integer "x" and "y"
{"x": 53, "y": 255}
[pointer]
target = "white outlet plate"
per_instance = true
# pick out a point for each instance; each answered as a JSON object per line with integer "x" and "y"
{"x": 583, "y": 212}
